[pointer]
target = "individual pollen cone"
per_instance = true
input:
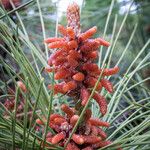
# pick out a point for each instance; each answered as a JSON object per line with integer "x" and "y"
{"x": 72, "y": 62}
{"x": 88, "y": 34}
{"x": 22, "y": 86}
{"x": 62, "y": 30}
{"x": 74, "y": 54}
{"x": 91, "y": 139}
{"x": 91, "y": 81}
{"x": 84, "y": 96}
{"x": 65, "y": 108}
{"x": 57, "y": 44}
{"x": 89, "y": 46}
{"x": 58, "y": 88}
{"x": 103, "y": 42}
{"x": 38, "y": 121}
{"x": 53, "y": 116}
{"x": 94, "y": 130}
{"x": 107, "y": 85}
{"x": 74, "y": 119}
{"x": 98, "y": 122}
{"x": 92, "y": 55}
{"x": 89, "y": 67}
{"x": 59, "y": 121}
{"x": 53, "y": 39}
{"x": 101, "y": 102}
{"x": 72, "y": 44}
{"x": 111, "y": 71}
{"x": 62, "y": 74}
{"x": 71, "y": 33}
{"x": 69, "y": 86}
{"x": 78, "y": 76}
{"x": 49, "y": 140}
{"x": 101, "y": 133}
{"x": 78, "y": 139}
{"x": 58, "y": 137}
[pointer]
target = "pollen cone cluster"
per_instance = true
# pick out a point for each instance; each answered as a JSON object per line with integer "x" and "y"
{"x": 74, "y": 64}
{"x": 10, "y": 102}
{"x": 88, "y": 136}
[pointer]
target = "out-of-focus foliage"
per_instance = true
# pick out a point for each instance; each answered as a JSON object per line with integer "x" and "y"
{"x": 95, "y": 12}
